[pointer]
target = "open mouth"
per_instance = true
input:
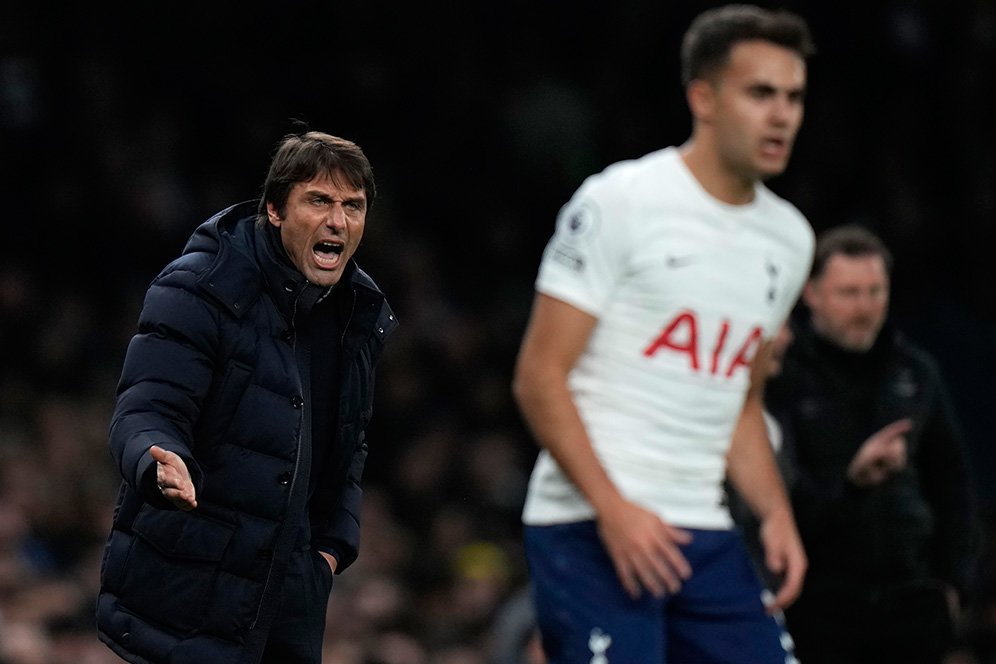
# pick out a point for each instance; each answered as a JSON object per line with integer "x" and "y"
{"x": 328, "y": 252}
{"x": 774, "y": 147}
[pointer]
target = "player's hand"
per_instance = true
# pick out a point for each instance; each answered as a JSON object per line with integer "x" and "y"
{"x": 881, "y": 456}
{"x": 784, "y": 556}
{"x": 644, "y": 549}
{"x": 173, "y": 478}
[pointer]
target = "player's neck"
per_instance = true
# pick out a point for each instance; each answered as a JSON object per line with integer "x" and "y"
{"x": 719, "y": 181}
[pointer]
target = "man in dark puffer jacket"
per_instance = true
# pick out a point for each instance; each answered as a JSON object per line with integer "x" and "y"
{"x": 239, "y": 424}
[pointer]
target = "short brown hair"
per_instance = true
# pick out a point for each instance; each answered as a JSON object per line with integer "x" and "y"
{"x": 302, "y": 157}
{"x": 713, "y": 34}
{"x": 851, "y": 240}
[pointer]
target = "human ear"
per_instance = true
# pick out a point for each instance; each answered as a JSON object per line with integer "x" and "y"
{"x": 701, "y": 99}
{"x": 272, "y": 215}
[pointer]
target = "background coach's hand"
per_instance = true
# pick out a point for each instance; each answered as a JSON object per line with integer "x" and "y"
{"x": 881, "y": 456}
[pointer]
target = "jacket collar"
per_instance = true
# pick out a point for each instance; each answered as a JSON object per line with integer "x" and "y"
{"x": 285, "y": 284}
{"x": 250, "y": 258}
{"x": 815, "y": 345}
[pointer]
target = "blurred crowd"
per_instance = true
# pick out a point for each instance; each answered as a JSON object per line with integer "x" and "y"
{"x": 117, "y": 138}
{"x": 440, "y": 576}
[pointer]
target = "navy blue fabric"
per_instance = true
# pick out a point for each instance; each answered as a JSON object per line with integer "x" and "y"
{"x": 297, "y": 630}
{"x": 583, "y": 612}
{"x": 211, "y": 375}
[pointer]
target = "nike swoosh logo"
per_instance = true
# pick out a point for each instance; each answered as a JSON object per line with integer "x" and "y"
{"x": 681, "y": 261}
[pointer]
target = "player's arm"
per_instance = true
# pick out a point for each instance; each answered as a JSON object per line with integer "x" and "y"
{"x": 752, "y": 469}
{"x": 643, "y": 548}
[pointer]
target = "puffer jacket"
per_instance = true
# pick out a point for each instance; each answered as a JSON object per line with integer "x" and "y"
{"x": 212, "y": 375}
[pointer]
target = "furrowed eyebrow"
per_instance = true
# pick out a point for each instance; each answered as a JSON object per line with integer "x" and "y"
{"x": 321, "y": 195}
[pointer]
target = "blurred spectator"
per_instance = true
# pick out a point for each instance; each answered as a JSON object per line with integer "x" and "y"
{"x": 516, "y": 638}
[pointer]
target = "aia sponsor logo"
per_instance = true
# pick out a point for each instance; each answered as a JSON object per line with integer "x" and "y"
{"x": 706, "y": 349}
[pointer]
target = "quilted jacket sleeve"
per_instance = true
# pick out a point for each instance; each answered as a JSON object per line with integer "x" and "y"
{"x": 167, "y": 371}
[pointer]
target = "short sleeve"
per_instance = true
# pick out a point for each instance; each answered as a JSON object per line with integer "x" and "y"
{"x": 586, "y": 256}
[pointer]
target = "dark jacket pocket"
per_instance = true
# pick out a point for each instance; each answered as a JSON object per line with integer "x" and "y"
{"x": 323, "y": 569}
{"x": 183, "y": 535}
{"x": 173, "y": 566}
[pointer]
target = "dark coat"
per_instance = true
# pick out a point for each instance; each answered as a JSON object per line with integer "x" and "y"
{"x": 212, "y": 376}
{"x": 920, "y": 523}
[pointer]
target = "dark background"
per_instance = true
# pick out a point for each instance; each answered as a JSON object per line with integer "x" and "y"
{"x": 122, "y": 128}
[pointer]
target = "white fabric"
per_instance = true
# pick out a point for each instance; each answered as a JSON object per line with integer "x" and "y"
{"x": 643, "y": 247}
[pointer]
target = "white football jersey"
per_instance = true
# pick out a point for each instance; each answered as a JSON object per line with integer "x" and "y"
{"x": 685, "y": 288}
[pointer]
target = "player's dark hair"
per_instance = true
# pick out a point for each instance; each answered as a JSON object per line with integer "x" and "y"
{"x": 852, "y": 240}
{"x": 302, "y": 157}
{"x": 713, "y": 34}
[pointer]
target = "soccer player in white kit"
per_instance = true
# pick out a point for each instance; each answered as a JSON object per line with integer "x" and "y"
{"x": 663, "y": 282}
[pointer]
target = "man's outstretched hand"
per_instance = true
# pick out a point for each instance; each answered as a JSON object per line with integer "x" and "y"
{"x": 173, "y": 479}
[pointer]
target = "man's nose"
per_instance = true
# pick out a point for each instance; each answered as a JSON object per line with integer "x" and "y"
{"x": 783, "y": 110}
{"x": 336, "y": 217}
{"x": 868, "y": 303}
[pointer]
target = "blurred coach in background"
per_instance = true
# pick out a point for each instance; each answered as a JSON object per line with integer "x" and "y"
{"x": 879, "y": 480}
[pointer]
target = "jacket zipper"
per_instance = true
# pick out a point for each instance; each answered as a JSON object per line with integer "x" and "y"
{"x": 297, "y": 464}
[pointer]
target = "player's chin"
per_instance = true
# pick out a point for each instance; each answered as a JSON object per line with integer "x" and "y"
{"x": 770, "y": 168}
